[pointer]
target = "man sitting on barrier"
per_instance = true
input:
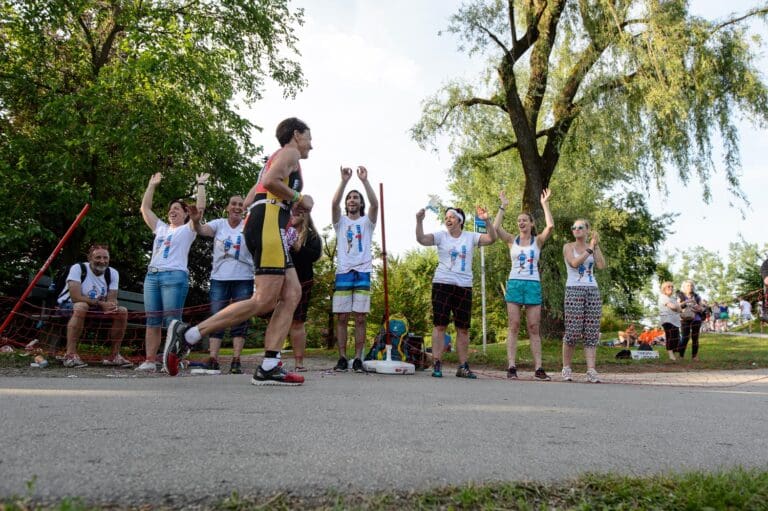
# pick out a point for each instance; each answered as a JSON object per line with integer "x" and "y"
{"x": 94, "y": 291}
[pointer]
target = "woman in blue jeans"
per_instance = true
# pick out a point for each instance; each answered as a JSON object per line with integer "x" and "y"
{"x": 231, "y": 274}
{"x": 167, "y": 280}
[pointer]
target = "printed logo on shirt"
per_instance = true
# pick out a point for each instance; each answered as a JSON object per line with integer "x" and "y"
{"x": 585, "y": 271}
{"x": 166, "y": 243}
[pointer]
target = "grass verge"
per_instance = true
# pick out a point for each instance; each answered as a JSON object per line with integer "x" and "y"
{"x": 725, "y": 490}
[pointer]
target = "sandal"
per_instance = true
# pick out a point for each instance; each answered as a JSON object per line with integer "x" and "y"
{"x": 300, "y": 369}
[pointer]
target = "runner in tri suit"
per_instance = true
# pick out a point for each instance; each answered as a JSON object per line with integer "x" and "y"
{"x": 276, "y": 284}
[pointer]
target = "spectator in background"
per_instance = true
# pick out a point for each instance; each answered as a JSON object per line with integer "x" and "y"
{"x": 452, "y": 282}
{"x": 94, "y": 291}
{"x": 306, "y": 248}
{"x": 745, "y": 308}
{"x": 628, "y": 337}
{"x": 354, "y": 263}
{"x": 231, "y": 275}
{"x": 524, "y": 282}
{"x": 583, "y": 304}
{"x": 690, "y": 319}
{"x": 764, "y": 276}
{"x": 722, "y": 317}
{"x": 167, "y": 281}
{"x": 669, "y": 315}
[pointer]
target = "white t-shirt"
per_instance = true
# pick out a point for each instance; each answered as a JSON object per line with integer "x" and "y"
{"x": 353, "y": 244}
{"x": 584, "y": 275}
{"x": 746, "y": 308}
{"x": 231, "y": 258}
{"x": 94, "y": 286}
{"x": 525, "y": 260}
{"x": 667, "y": 315}
{"x": 454, "y": 258}
{"x": 171, "y": 246}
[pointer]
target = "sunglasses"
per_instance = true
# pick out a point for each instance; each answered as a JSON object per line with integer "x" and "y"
{"x": 577, "y": 227}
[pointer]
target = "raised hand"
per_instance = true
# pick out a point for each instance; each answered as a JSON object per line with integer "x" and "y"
{"x": 482, "y": 213}
{"x": 503, "y": 199}
{"x": 420, "y": 215}
{"x": 202, "y": 179}
{"x": 346, "y": 173}
{"x": 545, "y": 195}
{"x": 155, "y": 179}
{"x": 362, "y": 173}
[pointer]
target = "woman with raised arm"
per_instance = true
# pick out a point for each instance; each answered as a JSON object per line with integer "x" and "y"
{"x": 452, "y": 282}
{"x": 167, "y": 280}
{"x": 524, "y": 283}
{"x": 583, "y": 305}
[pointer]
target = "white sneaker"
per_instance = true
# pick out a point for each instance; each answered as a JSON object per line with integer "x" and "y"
{"x": 117, "y": 361}
{"x": 147, "y": 367}
{"x": 592, "y": 376}
{"x": 567, "y": 374}
{"x": 74, "y": 362}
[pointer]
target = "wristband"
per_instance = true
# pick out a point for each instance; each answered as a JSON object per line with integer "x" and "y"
{"x": 296, "y": 196}
{"x": 200, "y": 184}
{"x": 501, "y": 208}
{"x": 590, "y": 251}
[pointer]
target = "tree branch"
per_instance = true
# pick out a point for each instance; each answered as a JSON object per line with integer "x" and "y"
{"x": 754, "y": 12}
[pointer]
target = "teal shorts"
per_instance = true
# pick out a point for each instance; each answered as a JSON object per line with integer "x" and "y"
{"x": 523, "y": 292}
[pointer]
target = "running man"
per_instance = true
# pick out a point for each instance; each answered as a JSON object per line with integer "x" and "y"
{"x": 276, "y": 284}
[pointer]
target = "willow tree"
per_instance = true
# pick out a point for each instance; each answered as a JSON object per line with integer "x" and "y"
{"x": 95, "y": 96}
{"x": 628, "y": 89}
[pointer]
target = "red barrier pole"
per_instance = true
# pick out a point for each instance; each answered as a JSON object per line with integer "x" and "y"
{"x": 384, "y": 268}
{"x": 47, "y": 263}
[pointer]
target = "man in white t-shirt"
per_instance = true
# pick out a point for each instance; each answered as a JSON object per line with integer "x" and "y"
{"x": 354, "y": 262}
{"x": 94, "y": 293}
{"x": 746, "y": 312}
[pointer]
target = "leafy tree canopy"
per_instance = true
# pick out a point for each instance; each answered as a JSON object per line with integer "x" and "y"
{"x": 96, "y": 96}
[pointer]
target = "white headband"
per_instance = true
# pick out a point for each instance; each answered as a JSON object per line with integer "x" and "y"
{"x": 456, "y": 214}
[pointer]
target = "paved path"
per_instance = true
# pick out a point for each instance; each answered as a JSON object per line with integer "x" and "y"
{"x": 178, "y": 441}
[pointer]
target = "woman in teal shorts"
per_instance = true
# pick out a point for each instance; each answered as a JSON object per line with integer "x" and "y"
{"x": 524, "y": 284}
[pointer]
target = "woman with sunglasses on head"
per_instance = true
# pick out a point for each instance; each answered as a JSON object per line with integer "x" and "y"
{"x": 583, "y": 305}
{"x": 167, "y": 280}
{"x": 452, "y": 282}
{"x": 524, "y": 283}
{"x": 669, "y": 315}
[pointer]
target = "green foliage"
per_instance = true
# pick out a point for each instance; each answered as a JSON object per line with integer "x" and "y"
{"x": 95, "y": 97}
{"x": 721, "y": 281}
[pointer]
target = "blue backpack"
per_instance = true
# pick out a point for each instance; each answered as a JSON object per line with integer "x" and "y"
{"x": 398, "y": 331}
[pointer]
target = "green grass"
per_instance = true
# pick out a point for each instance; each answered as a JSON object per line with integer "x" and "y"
{"x": 735, "y": 489}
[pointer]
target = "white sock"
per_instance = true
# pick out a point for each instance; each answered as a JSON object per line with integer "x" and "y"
{"x": 192, "y": 335}
{"x": 269, "y": 363}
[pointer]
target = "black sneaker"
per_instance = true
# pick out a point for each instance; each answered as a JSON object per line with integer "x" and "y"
{"x": 276, "y": 376}
{"x": 341, "y": 366}
{"x": 512, "y": 373}
{"x": 175, "y": 347}
{"x": 540, "y": 374}
{"x": 235, "y": 367}
{"x": 212, "y": 364}
{"x": 465, "y": 372}
{"x": 357, "y": 365}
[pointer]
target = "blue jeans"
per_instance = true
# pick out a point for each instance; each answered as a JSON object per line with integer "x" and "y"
{"x": 223, "y": 292}
{"x": 164, "y": 296}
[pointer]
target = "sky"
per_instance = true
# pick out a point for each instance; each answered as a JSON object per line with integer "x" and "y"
{"x": 370, "y": 65}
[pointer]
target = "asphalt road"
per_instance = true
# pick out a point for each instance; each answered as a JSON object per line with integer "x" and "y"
{"x": 187, "y": 439}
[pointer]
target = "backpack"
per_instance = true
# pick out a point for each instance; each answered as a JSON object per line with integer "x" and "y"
{"x": 58, "y": 286}
{"x": 398, "y": 331}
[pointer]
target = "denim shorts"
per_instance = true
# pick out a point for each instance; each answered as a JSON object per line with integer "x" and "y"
{"x": 523, "y": 292}
{"x": 224, "y": 292}
{"x": 164, "y": 296}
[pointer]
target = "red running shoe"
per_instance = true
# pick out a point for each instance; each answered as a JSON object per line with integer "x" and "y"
{"x": 276, "y": 376}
